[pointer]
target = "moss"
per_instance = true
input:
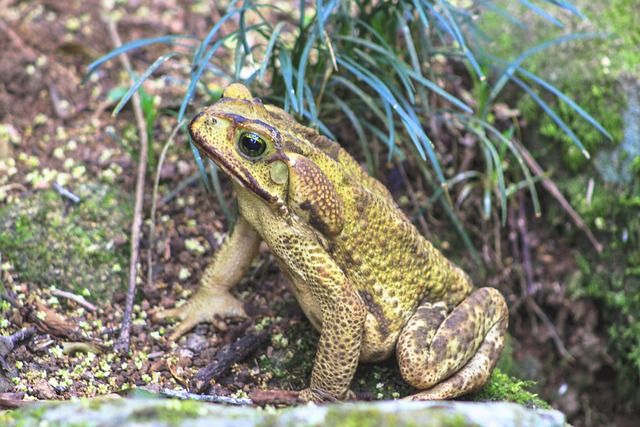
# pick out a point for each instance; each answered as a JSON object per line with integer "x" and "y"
{"x": 90, "y": 412}
{"x": 291, "y": 365}
{"x": 382, "y": 380}
{"x": 54, "y": 242}
{"x": 369, "y": 418}
{"x": 600, "y": 96}
{"x": 503, "y": 388}
{"x": 173, "y": 412}
{"x": 345, "y": 417}
{"x": 613, "y": 279}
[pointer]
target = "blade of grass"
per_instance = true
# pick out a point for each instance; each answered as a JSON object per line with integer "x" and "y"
{"x": 553, "y": 116}
{"x": 451, "y": 26}
{"x": 273, "y": 39}
{"x": 441, "y": 92}
{"x": 509, "y": 17}
{"x": 286, "y": 69}
{"x": 199, "y": 163}
{"x": 138, "y": 82}
{"x": 499, "y": 174}
{"x": 198, "y": 57}
{"x": 202, "y": 66}
{"x": 415, "y": 130}
{"x": 239, "y": 57}
{"x": 514, "y": 151}
{"x": 217, "y": 189}
{"x": 413, "y": 54}
{"x": 357, "y": 126}
{"x": 514, "y": 65}
{"x": 323, "y": 16}
{"x": 321, "y": 126}
{"x": 421, "y": 14}
{"x": 391, "y": 142}
{"x": 400, "y": 69}
{"x": 592, "y": 121}
{"x": 130, "y": 46}
{"x": 440, "y": 195}
{"x": 368, "y": 100}
{"x": 311, "y": 103}
{"x": 568, "y": 6}
{"x": 302, "y": 66}
{"x": 243, "y": 30}
{"x": 542, "y": 13}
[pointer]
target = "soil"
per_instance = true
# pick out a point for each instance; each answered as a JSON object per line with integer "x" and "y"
{"x": 46, "y": 47}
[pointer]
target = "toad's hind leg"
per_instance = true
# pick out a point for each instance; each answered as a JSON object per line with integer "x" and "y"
{"x": 450, "y": 355}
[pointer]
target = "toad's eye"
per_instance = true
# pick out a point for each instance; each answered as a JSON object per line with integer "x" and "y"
{"x": 252, "y": 145}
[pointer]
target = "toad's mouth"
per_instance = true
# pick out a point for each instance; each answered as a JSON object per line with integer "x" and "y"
{"x": 235, "y": 170}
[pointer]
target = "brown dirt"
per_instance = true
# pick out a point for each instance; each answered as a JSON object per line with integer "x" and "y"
{"x": 46, "y": 47}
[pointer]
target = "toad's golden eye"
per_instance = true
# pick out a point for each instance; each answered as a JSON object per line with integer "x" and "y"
{"x": 252, "y": 145}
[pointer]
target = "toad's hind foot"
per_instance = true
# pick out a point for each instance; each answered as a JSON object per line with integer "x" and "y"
{"x": 472, "y": 377}
{"x": 453, "y": 356}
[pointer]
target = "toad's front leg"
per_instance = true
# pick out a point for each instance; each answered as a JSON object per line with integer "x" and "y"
{"x": 335, "y": 308}
{"x": 227, "y": 268}
{"x": 451, "y": 354}
{"x": 343, "y": 318}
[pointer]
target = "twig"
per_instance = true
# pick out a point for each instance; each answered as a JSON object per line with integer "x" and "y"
{"x": 553, "y": 189}
{"x": 11, "y": 340}
{"x": 77, "y": 298}
{"x": 22, "y": 335}
{"x": 47, "y": 321}
{"x": 226, "y": 358}
{"x": 7, "y": 344}
{"x": 184, "y": 395}
{"x": 122, "y": 343}
{"x": 531, "y": 304}
{"x": 181, "y": 186}
{"x": 515, "y": 249}
{"x": 13, "y": 186}
{"x": 14, "y": 400}
{"x": 526, "y": 248}
{"x": 154, "y": 203}
{"x": 66, "y": 193}
{"x": 526, "y": 277}
{"x": 17, "y": 41}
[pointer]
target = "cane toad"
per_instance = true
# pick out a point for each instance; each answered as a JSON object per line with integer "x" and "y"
{"x": 362, "y": 273}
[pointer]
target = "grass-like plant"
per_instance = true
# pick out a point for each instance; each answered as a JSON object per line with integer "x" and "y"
{"x": 395, "y": 70}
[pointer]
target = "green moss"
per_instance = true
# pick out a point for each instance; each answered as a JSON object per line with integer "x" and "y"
{"x": 54, "y": 242}
{"x": 613, "y": 279}
{"x": 370, "y": 418}
{"x": 291, "y": 369}
{"x": 341, "y": 415}
{"x": 594, "y": 81}
{"x": 601, "y": 98}
{"x": 383, "y": 380}
{"x": 503, "y": 388}
{"x": 291, "y": 364}
{"x": 173, "y": 412}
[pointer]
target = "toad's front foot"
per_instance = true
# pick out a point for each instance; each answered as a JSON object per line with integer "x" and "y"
{"x": 201, "y": 308}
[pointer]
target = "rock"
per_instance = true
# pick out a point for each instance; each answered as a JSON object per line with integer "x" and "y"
{"x": 43, "y": 390}
{"x": 165, "y": 412}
